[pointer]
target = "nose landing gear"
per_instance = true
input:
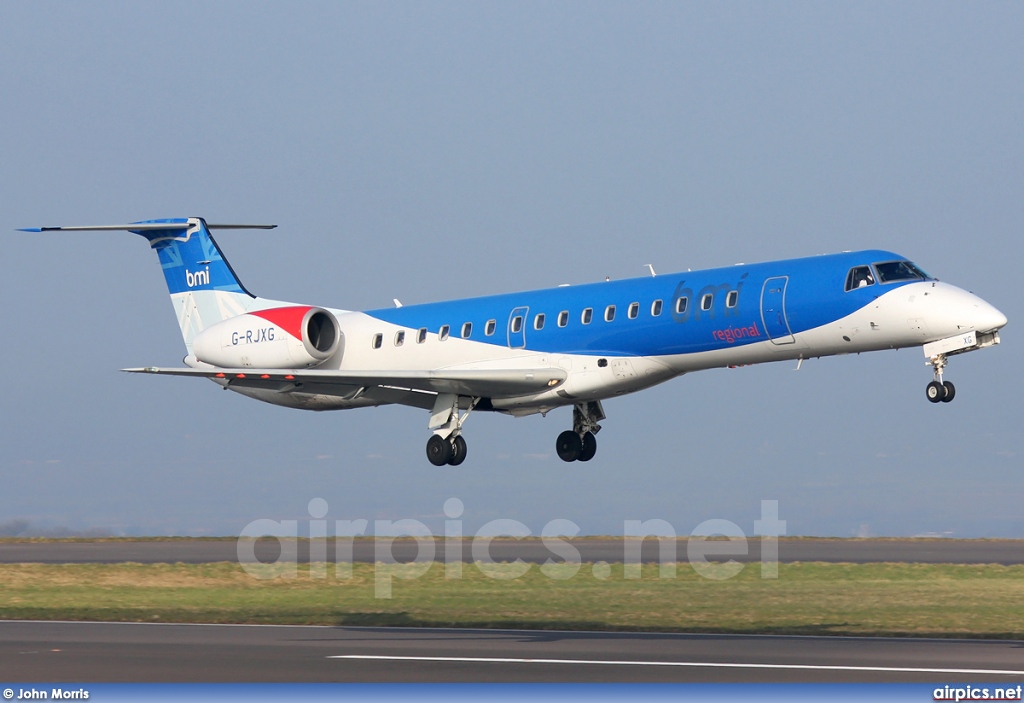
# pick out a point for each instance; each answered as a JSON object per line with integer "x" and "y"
{"x": 939, "y": 391}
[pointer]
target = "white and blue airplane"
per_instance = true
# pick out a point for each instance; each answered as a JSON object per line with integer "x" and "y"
{"x": 532, "y": 352}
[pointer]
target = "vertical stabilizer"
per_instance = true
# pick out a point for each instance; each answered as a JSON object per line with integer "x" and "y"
{"x": 204, "y": 289}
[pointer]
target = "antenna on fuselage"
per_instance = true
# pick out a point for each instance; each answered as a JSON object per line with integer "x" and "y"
{"x": 650, "y": 267}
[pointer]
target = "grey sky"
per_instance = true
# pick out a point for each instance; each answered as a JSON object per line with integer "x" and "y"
{"x": 433, "y": 151}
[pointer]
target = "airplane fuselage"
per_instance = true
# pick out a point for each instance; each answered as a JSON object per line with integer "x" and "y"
{"x": 617, "y": 337}
{"x": 533, "y": 351}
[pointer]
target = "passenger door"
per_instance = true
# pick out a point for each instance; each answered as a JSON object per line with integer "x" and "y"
{"x": 773, "y": 310}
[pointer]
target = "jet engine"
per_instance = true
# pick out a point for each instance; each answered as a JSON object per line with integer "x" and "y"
{"x": 276, "y": 338}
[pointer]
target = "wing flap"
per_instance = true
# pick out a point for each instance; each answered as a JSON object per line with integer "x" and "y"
{"x": 489, "y": 383}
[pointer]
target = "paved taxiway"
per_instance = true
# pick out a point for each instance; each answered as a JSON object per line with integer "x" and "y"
{"x": 99, "y": 652}
{"x": 934, "y": 551}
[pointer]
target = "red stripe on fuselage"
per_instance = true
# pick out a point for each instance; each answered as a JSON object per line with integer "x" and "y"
{"x": 289, "y": 319}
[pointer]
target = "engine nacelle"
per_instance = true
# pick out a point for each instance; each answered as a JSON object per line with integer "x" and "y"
{"x": 276, "y": 338}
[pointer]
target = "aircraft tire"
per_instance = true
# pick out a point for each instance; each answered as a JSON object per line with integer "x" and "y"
{"x": 569, "y": 445}
{"x": 950, "y": 392}
{"x": 458, "y": 451}
{"x": 439, "y": 450}
{"x": 935, "y": 392}
{"x": 589, "y": 448}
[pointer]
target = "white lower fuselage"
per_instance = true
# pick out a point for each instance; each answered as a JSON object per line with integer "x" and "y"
{"x": 906, "y": 316}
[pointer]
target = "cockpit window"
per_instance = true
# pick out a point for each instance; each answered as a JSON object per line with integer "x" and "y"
{"x": 898, "y": 271}
{"x": 859, "y": 277}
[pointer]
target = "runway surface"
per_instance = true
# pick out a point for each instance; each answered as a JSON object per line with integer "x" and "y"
{"x": 134, "y": 652}
{"x": 130, "y": 652}
{"x": 934, "y": 551}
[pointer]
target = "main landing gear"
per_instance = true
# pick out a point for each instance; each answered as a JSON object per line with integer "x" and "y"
{"x": 579, "y": 443}
{"x": 939, "y": 391}
{"x": 441, "y": 451}
{"x": 446, "y": 445}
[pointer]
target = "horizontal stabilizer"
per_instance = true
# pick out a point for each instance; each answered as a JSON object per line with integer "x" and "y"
{"x": 141, "y": 227}
{"x": 137, "y": 227}
{"x": 209, "y": 226}
{"x": 489, "y": 383}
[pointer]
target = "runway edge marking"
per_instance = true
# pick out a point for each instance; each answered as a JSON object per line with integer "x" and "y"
{"x": 718, "y": 665}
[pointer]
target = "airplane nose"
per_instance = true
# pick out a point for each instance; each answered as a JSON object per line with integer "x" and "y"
{"x": 989, "y": 319}
{"x": 955, "y": 310}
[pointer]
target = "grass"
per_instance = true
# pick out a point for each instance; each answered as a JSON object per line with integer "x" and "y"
{"x": 908, "y": 600}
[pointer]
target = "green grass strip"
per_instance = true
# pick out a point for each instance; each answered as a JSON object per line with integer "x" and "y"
{"x": 909, "y": 600}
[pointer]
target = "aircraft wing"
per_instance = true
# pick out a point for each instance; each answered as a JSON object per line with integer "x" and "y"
{"x": 478, "y": 383}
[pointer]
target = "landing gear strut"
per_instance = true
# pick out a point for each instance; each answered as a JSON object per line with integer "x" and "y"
{"x": 579, "y": 443}
{"x": 939, "y": 391}
{"x": 446, "y": 445}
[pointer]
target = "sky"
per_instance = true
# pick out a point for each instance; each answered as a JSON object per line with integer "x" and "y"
{"x": 426, "y": 151}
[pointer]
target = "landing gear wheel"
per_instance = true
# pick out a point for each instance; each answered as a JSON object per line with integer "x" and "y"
{"x": 569, "y": 446}
{"x": 439, "y": 450}
{"x": 950, "y": 391}
{"x": 458, "y": 451}
{"x": 935, "y": 391}
{"x": 589, "y": 448}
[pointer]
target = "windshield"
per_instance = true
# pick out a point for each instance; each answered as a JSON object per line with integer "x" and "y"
{"x": 898, "y": 271}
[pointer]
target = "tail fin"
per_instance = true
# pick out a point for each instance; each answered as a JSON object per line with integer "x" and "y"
{"x": 204, "y": 289}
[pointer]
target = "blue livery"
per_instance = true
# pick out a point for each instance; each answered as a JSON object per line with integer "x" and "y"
{"x": 771, "y": 301}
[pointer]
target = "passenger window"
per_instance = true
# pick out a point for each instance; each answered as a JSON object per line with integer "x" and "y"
{"x": 707, "y": 301}
{"x": 538, "y": 322}
{"x": 489, "y": 327}
{"x": 859, "y": 277}
{"x": 609, "y": 313}
{"x": 634, "y": 310}
{"x": 681, "y": 304}
{"x": 563, "y": 318}
{"x": 656, "y": 308}
{"x": 467, "y": 329}
{"x": 517, "y": 324}
{"x": 399, "y": 338}
{"x": 378, "y": 339}
{"x": 443, "y": 333}
{"x": 421, "y": 336}
{"x": 588, "y": 315}
{"x": 732, "y": 298}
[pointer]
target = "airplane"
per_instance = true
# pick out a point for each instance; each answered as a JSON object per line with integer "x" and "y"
{"x": 535, "y": 351}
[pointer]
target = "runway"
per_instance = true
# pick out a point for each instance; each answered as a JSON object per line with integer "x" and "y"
{"x": 135, "y": 652}
{"x": 932, "y": 551}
